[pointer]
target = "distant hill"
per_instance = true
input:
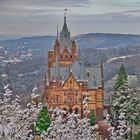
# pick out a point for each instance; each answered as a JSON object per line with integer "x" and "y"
{"x": 103, "y": 40}
{"x": 110, "y": 49}
{"x": 40, "y": 42}
{"x": 92, "y": 40}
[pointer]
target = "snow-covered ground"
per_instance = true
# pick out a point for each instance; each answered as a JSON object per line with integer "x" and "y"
{"x": 119, "y": 57}
{"x": 12, "y": 61}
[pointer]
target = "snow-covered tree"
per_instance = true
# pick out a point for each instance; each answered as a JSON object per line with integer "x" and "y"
{"x": 69, "y": 127}
{"x": 126, "y": 100}
{"x": 121, "y": 99}
{"x": 86, "y": 100}
{"x": 134, "y": 108}
{"x": 120, "y": 130}
{"x": 15, "y": 123}
{"x": 35, "y": 96}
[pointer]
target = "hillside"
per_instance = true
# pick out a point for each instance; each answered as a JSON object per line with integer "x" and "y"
{"x": 92, "y": 40}
{"x": 26, "y": 58}
{"x": 102, "y": 40}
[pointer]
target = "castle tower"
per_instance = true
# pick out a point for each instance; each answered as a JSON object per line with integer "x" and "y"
{"x": 64, "y": 53}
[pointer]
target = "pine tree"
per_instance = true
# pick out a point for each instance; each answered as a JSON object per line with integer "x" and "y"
{"x": 119, "y": 131}
{"x": 137, "y": 137}
{"x": 43, "y": 120}
{"x": 133, "y": 108}
{"x": 121, "y": 99}
{"x": 92, "y": 119}
{"x": 121, "y": 91}
{"x": 126, "y": 100}
{"x": 121, "y": 79}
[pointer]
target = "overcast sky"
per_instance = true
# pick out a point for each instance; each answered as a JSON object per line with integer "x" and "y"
{"x": 40, "y": 17}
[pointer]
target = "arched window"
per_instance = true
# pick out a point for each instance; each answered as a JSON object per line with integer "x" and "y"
{"x": 70, "y": 110}
{"x": 54, "y": 98}
{"x": 76, "y": 98}
{"x": 65, "y": 108}
{"x": 70, "y": 99}
{"x": 57, "y": 98}
{"x": 76, "y": 110}
{"x": 66, "y": 56}
{"x": 64, "y": 97}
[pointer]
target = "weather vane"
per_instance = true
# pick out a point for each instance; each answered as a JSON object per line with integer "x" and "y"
{"x": 65, "y": 12}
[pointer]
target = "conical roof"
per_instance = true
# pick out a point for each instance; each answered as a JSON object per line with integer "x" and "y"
{"x": 65, "y": 40}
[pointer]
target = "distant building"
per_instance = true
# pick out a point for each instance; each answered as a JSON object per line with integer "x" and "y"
{"x": 68, "y": 79}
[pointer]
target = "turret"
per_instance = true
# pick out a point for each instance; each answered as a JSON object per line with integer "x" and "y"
{"x": 56, "y": 48}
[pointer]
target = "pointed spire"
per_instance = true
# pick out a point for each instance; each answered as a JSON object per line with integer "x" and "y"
{"x": 65, "y": 15}
{"x": 57, "y": 33}
{"x": 65, "y": 39}
{"x": 57, "y": 73}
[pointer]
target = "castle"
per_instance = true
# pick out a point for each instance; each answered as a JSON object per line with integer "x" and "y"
{"x": 68, "y": 79}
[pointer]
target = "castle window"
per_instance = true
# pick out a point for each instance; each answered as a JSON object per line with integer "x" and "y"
{"x": 54, "y": 98}
{"x": 76, "y": 99}
{"x": 70, "y": 56}
{"x": 64, "y": 97}
{"x": 70, "y": 110}
{"x": 70, "y": 99}
{"x": 57, "y": 98}
{"x": 66, "y": 56}
{"x": 76, "y": 110}
{"x": 88, "y": 74}
{"x": 51, "y": 100}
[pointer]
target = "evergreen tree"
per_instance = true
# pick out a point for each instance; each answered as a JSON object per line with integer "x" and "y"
{"x": 43, "y": 120}
{"x": 126, "y": 100}
{"x": 121, "y": 99}
{"x": 120, "y": 130}
{"x": 121, "y": 96}
{"x": 137, "y": 137}
{"x": 92, "y": 119}
{"x": 133, "y": 108}
{"x": 121, "y": 79}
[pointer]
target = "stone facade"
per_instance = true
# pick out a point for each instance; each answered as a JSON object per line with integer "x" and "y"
{"x": 68, "y": 79}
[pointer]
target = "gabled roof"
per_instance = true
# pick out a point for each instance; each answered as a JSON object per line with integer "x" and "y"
{"x": 75, "y": 84}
